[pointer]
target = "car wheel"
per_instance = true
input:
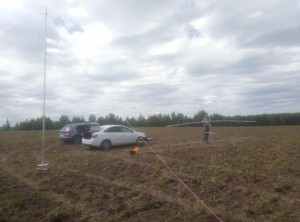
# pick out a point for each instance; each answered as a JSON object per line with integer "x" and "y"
{"x": 105, "y": 144}
{"x": 77, "y": 139}
{"x": 139, "y": 141}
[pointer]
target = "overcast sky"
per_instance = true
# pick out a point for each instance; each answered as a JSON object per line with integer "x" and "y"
{"x": 132, "y": 57}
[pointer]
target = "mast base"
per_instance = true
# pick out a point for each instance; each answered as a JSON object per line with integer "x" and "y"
{"x": 42, "y": 167}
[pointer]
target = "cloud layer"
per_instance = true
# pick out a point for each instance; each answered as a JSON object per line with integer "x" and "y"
{"x": 144, "y": 57}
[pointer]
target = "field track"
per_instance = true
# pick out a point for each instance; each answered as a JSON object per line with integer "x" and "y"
{"x": 244, "y": 174}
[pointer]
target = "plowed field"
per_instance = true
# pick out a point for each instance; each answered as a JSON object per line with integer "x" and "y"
{"x": 243, "y": 174}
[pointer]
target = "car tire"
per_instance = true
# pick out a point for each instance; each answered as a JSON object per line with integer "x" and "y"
{"x": 77, "y": 139}
{"x": 106, "y": 144}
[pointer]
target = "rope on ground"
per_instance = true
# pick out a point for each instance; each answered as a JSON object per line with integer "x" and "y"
{"x": 181, "y": 181}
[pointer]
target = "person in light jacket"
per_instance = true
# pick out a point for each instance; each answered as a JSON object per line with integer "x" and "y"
{"x": 206, "y": 127}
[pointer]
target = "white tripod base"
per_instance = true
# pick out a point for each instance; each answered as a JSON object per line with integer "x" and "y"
{"x": 42, "y": 167}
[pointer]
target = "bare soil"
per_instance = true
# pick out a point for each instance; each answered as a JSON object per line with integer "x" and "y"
{"x": 243, "y": 174}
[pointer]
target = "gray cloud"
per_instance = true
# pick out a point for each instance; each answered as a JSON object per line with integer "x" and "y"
{"x": 284, "y": 38}
{"x": 142, "y": 57}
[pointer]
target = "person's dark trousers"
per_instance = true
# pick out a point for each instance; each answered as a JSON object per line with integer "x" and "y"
{"x": 206, "y": 137}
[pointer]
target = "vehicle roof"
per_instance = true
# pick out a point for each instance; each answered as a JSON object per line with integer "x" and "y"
{"x": 83, "y": 124}
{"x": 107, "y": 126}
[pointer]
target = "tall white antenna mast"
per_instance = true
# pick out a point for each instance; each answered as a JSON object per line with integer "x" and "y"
{"x": 43, "y": 165}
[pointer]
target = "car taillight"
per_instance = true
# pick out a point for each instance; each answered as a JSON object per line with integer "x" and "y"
{"x": 68, "y": 130}
{"x": 94, "y": 135}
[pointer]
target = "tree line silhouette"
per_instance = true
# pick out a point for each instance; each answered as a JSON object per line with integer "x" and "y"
{"x": 160, "y": 120}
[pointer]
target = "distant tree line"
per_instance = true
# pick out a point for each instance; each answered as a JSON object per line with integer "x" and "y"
{"x": 6, "y": 126}
{"x": 161, "y": 120}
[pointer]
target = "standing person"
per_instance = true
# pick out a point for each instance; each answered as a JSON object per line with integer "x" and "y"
{"x": 206, "y": 126}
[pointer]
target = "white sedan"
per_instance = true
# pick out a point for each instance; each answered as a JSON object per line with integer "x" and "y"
{"x": 112, "y": 135}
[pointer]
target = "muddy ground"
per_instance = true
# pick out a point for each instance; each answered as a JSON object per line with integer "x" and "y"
{"x": 244, "y": 174}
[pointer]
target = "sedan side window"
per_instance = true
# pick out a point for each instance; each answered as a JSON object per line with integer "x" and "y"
{"x": 125, "y": 130}
{"x": 114, "y": 129}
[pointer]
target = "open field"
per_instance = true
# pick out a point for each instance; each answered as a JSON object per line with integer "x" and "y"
{"x": 244, "y": 174}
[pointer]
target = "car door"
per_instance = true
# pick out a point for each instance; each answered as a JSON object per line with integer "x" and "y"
{"x": 115, "y": 135}
{"x": 128, "y": 135}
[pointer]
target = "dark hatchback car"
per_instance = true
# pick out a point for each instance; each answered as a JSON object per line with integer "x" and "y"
{"x": 74, "y": 132}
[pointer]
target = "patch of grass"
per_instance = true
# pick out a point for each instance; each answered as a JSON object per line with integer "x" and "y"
{"x": 199, "y": 209}
{"x": 120, "y": 195}
{"x": 212, "y": 199}
{"x": 181, "y": 191}
{"x": 283, "y": 187}
{"x": 139, "y": 206}
{"x": 126, "y": 184}
{"x": 226, "y": 174}
{"x": 160, "y": 182}
{"x": 266, "y": 204}
{"x": 12, "y": 206}
{"x": 80, "y": 194}
{"x": 173, "y": 217}
{"x": 59, "y": 217}
{"x": 238, "y": 217}
{"x": 284, "y": 211}
{"x": 200, "y": 179}
{"x": 120, "y": 215}
{"x": 97, "y": 202}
